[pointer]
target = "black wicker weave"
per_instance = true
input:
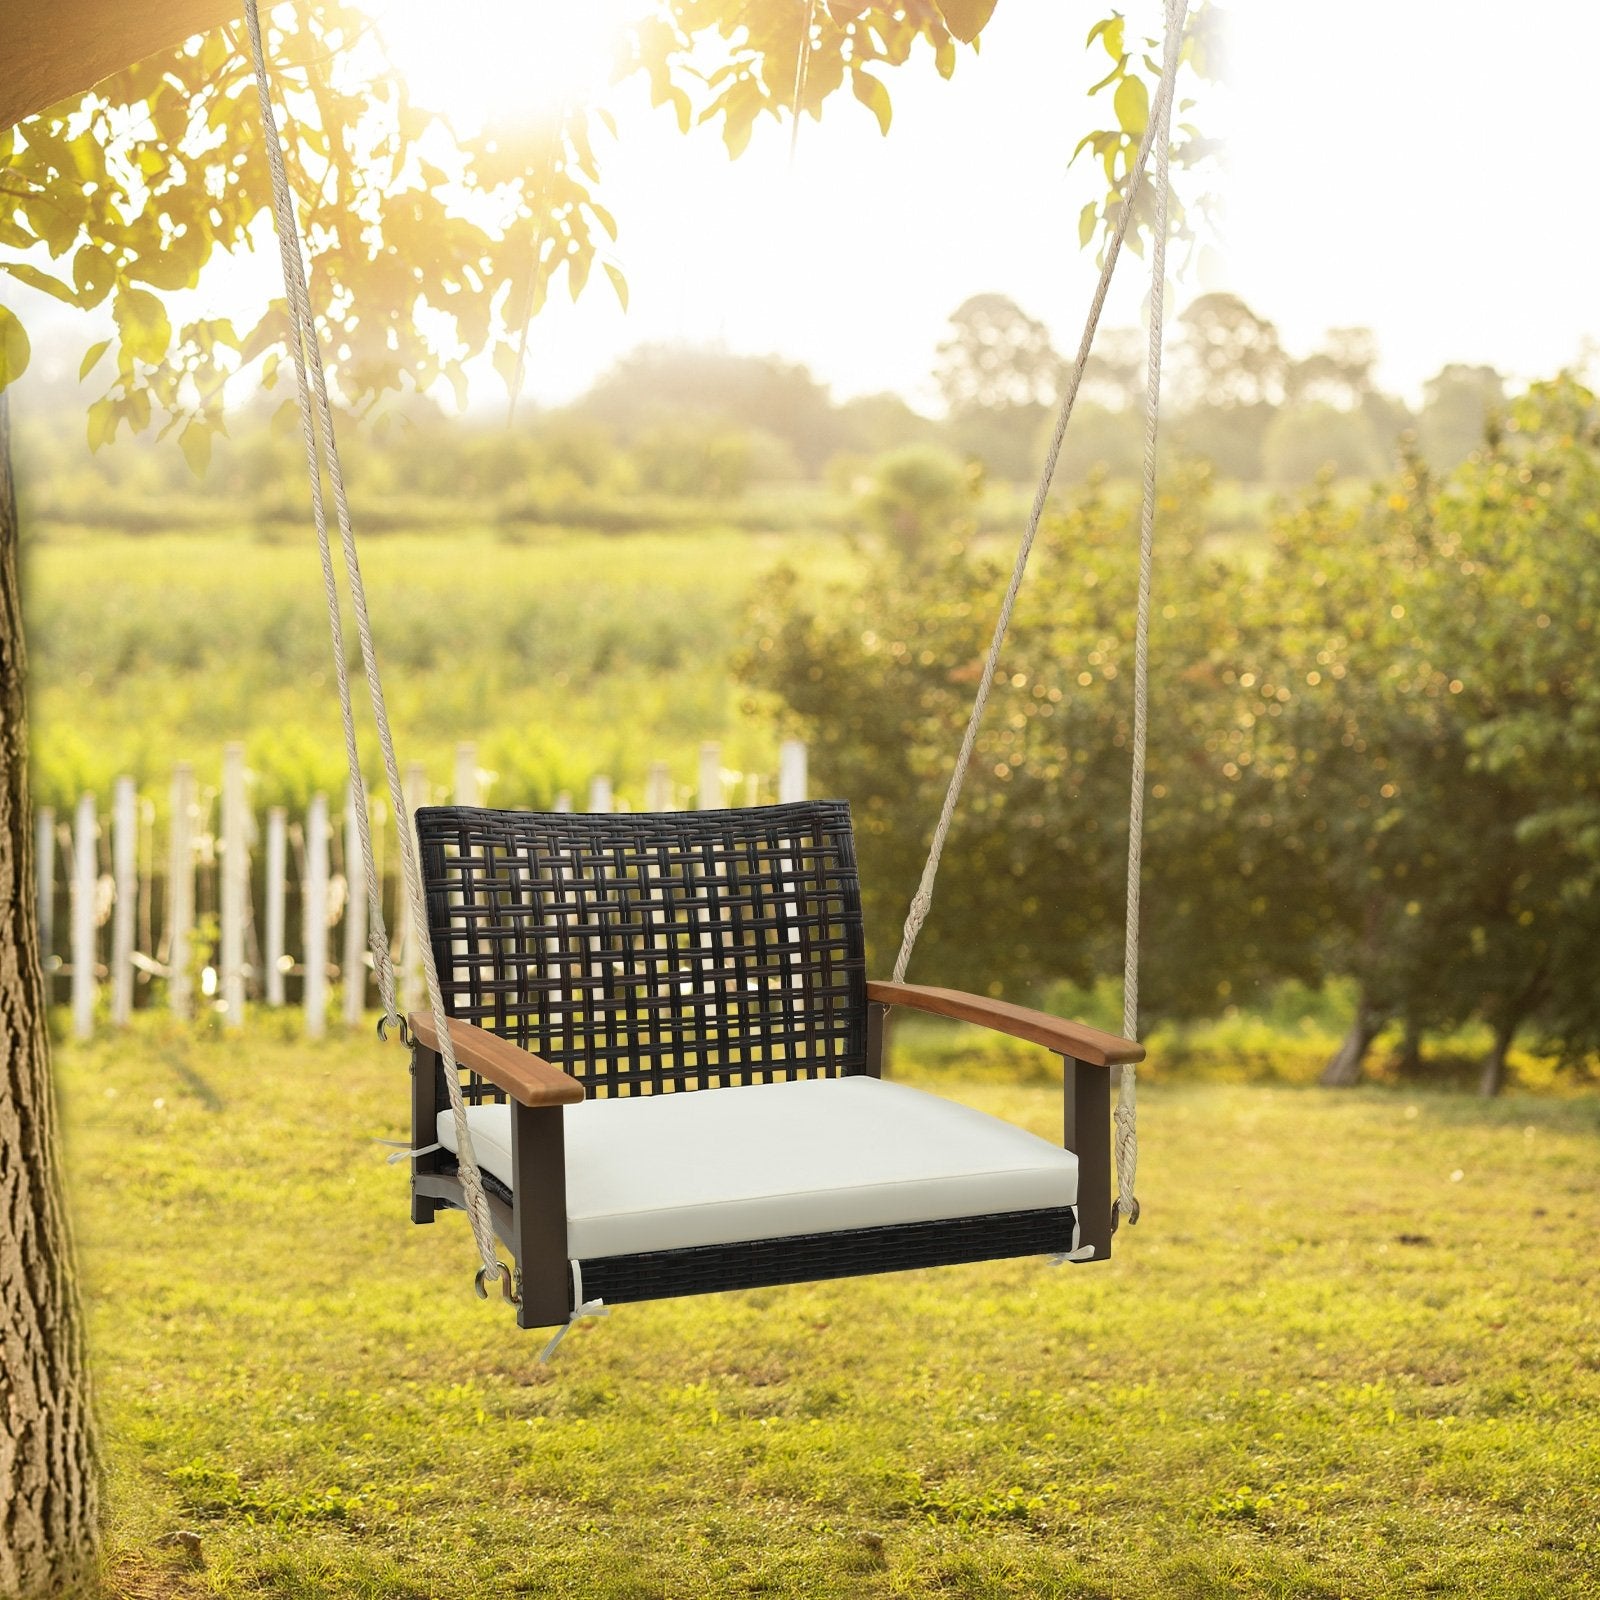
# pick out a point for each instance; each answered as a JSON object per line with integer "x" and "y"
{"x": 847, "y": 1253}
{"x": 642, "y": 952}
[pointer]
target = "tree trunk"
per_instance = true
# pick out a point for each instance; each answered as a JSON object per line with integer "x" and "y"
{"x": 49, "y": 1482}
{"x": 1492, "y": 1075}
{"x": 1345, "y": 1067}
{"x": 1410, "y": 1064}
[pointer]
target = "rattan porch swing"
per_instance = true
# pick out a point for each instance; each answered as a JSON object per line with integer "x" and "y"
{"x": 585, "y": 972}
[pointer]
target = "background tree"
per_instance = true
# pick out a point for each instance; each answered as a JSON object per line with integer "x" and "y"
{"x": 1457, "y": 405}
{"x": 874, "y": 424}
{"x": 998, "y": 373}
{"x": 1518, "y": 531}
{"x": 890, "y": 668}
{"x": 1339, "y": 374}
{"x": 920, "y": 495}
{"x": 666, "y": 384}
{"x": 1113, "y": 376}
{"x": 1312, "y": 436}
{"x": 1230, "y": 372}
{"x": 1399, "y": 788}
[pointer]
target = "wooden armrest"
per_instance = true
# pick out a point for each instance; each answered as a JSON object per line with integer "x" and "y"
{"x": 530, "y": 1080}
{"x": 1038, "y": 1027}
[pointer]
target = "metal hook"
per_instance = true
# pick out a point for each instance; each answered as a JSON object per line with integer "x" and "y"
{"x": 403, "y": 1030}
{"x": 507, "y": 1288}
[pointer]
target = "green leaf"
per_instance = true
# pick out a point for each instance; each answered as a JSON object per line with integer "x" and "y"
{"x": 966, "y": 19}
{"x": 102, "y": 423}
{"x": 1111, "y": 77}
{"x": 14, "y": 348}
{"x": 142, "y": 321}
{"x": 618, "y": 282}
{"x": 195, "y": 441}
{"x": 736, "y": 136}
{"x": 1087, "y": 218}
{"x": 1132, "y": 103}
{"x": 873, "y": 95}
{"x": 26, "y": 272}
{"x": 578, "y": 264}
{"x": 505, "y": 363}
{"x": 1110, "y": 32}
{"x": 170, "y": 267}
{"x": 94, "y": 272}
{"x": 91, "y": 358}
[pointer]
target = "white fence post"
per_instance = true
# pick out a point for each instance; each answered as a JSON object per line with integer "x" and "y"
{"x": 468, "y": 792}
{"x": 277, "y": 875}
{"x": 354, "y": 965}
{"x": 600, "y": 793}
{"x": 180, "y": 893}
{"x": 711, "y": 798}
{"x": 564, "y": 801}
{"x": 85, "y": 879}
{"x": 658, "y": 787}
{"x": 792, "y": 777}
{"x": 235, "y": 896}
{"x": 125, "y": 908}
{"x": 44, "y": 871}
{"x": 145, "y": 937}
{"x": 315, "y": 929}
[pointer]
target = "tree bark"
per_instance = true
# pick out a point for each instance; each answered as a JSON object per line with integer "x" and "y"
{"x": 1345, "y": 1067}
{"x": 49, "y": 1480}
{"x": 1492, "y": 1075}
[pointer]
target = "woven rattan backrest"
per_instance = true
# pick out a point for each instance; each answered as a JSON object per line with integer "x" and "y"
{"x": 650, "y": 951}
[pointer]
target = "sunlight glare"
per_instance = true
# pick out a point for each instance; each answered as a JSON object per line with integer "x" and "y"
{"x": 493, "y": 63}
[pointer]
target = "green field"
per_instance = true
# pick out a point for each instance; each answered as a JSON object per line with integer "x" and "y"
{"x": 563, "y": 655}
{"x": 1353, "y": 1350}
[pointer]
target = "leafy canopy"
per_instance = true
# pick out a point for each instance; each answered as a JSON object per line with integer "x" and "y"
{"x": 428, "y": 247}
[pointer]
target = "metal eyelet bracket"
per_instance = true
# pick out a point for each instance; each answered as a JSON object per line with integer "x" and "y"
{"x": 508, "y": 1289}
{"x": 1116, "y": 1214}
{"x": 402, "y": 1028}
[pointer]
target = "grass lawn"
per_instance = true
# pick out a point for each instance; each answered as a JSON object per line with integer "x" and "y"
{"x": 1353, "y": 1350}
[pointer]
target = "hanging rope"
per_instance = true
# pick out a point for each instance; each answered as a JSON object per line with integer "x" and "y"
{"x": 1157, "y": 138}
{"x": 317, "y": 413}
{"x": 802, "y": 66}
{"x": 1127, "y": 1141}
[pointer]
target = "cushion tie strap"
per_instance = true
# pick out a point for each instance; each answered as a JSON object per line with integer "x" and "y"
{"x": 403, "y": 1150}
{"x": 584, "y": 1308}
{"x": 1084, "y": 1252}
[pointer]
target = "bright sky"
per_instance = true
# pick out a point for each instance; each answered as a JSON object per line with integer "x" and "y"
{"x": 1398, "y": 164}
{"x": 1392, "y": 163}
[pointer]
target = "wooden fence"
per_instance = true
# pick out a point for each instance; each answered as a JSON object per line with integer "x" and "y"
{"x": 241, "y": 909}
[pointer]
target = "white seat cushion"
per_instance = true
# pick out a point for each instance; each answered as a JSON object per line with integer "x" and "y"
{"x": 715, "y": 1166}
